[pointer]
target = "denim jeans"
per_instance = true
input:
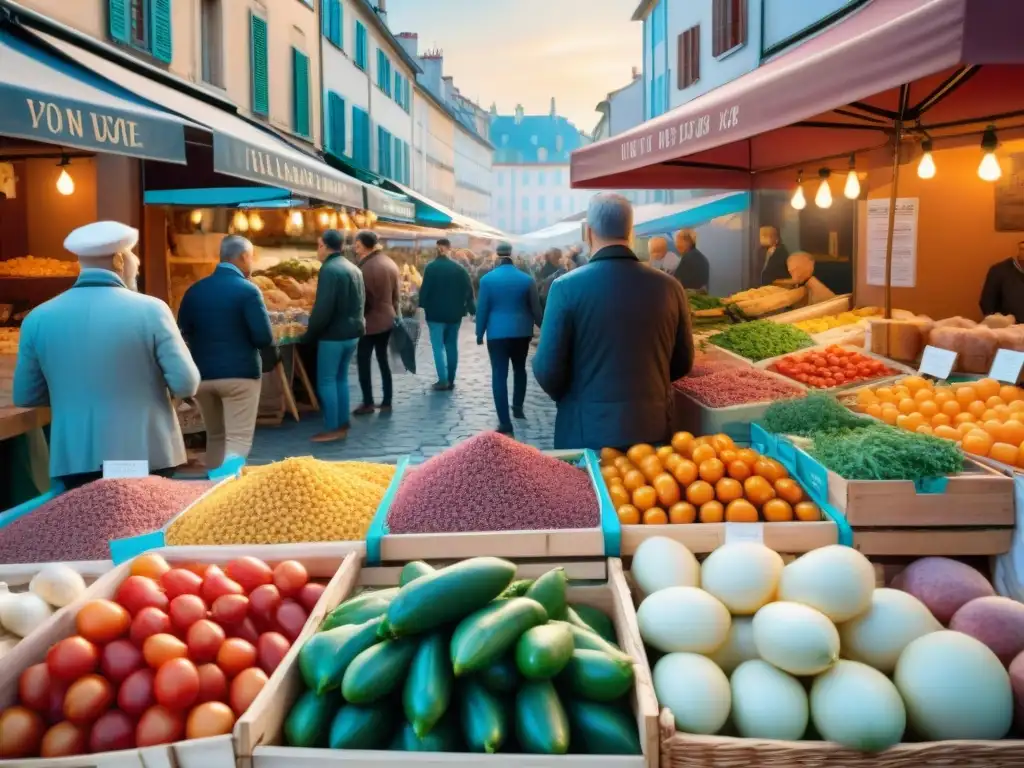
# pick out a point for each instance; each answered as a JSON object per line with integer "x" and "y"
{"x": 502, "y": 352}
{"x": 444, "y": 341}
{"x": 332, "y": 363}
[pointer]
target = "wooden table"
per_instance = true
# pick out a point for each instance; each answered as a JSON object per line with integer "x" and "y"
{"x": 16, "y": 421}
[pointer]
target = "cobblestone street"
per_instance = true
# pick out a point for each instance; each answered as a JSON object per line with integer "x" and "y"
{"x": 423, "y": 422}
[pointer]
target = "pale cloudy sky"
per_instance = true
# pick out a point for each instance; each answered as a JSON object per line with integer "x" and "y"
{"x": 526, "y": 51}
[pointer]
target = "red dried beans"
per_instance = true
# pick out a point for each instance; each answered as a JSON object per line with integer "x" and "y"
{"x": 737, "y": 386}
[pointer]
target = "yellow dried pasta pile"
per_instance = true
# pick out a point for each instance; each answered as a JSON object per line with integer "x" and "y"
{"x": 290, "y": 501}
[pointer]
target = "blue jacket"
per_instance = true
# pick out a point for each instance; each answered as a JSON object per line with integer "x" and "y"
{"x": 446, "y": 295}
{"x": 616, "y": 334}
{"x": 507, "y": 307}
{"x": 225, "y": 325}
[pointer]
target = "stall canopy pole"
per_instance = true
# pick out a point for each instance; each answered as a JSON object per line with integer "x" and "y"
{"x": 897, "y": 139}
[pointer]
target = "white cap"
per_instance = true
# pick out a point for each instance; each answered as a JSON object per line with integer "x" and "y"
{"x": 100, "y": 239}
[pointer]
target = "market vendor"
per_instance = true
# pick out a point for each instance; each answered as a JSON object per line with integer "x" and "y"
{"x": 661, "y": 257}
{"x": 107, "y": 361}
{"x": 694, "y": 271}
{"x": 775, "y": 256}
{"x": 801, "y": 270}
{"x": 1003, "y": 291}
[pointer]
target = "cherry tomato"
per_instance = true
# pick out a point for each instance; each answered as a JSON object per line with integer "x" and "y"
{"x": 186, "y": 610}
{"x": 87, "y": 698}
{"x": 230, "y": 609}
{"x": 55, "y": 708}
{"x": 271, "y": 648}
{"x": 150, "y": 565}
{"x": 289, "y": 577}
{"x": 246, "y": 630}
{"x": 113, "y": 731}
{"x": 235, "y": 655}
{"x": 64, "y": 740}
{"x": 119, "y": 659}
{"x": 136, "y": 693}
{"x": 217, "y": 583}
{"x": 245, "y": 687}
{"x": 34, "y": 688}
{"x": 71, "y": 658}
{"x": 148, "y": 622}
{"x": 291, "y": 618}
{"x": 199, "y": 569}
{"x": 102, "y": 621}
{"x": 213, "y": 684}
{"x": 136, "y": 592}
{"x": 180, "y": 581}
{"x": 159, "y": 725}
{"x": 162, "y": 648}
{"x": 210, "y": 719}
{"x": 21, "y": 732}
{"x": 309, "y": 595}
{"x": 176, "y": 685}
{"x": 204, "y": 640}
{"x": 250, "y": 572}
{"x": 264, "y": 601}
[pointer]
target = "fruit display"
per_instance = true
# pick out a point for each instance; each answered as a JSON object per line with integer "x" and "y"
{"x": 832, "y": 366}
{"x": 813, "y": 650}
{"x": 38, "y": 266}
{"x": 761, "y": 339}
{"x": 702, "y": 480}
{"x": 465, "y": 659}
{"x": 175, "y": 653}
{"x": 722, "y": 384}
{"x": 9, "y": 340}
{"x": 294, "y": 500}
{"x": 54, "y": 586}
{"x": 830, "y": 322}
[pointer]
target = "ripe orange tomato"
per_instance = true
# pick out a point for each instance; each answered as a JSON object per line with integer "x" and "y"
{"x": 758, "y": 490}
{"x": 727, "y": 489}
{"x": 101, "y": 621}
{"x": 702, "y": 453}
{"x": 722, "y": 442}
{"x": 639, "y": 452}
{"x": 609, "y": 455}
{"x": 651, "y": 467}
{"x": 770, "y": 469}
{"x": 212, "y": 718}
{"x": 700, "y": 493}
{"x": 712, "y": 512}
{"x": 748, "y": 456}
{"x": 682, "y": 513}
{"x": 634, "y": 479}
{"x": 644, "y": 498}
{"x": 741, "y": 511}
{"x": 685, "y": 472}
{"x": 712, "y": 470}
{"x": 609, "y": 473}
{"x": 664, "y": 452}
{"x": 619, "y": 495}
{"x": 978, "y": 442}
{"x": 655, "y": 516}
{"x": 788, "y": 489}
{"x": 739, "y": 470}
{"x": 672, "y": 461}
{"x": 777, "y": 511}
{"x": 727, "y": 456}
{"x": 629, "y": 515}
{"x": 807, "y": 511}
{"x": 667, "y": 489}
{"x": 1003, "y": 452}
{"x": 150, "y": 565}
{"x": 682, "y": 443}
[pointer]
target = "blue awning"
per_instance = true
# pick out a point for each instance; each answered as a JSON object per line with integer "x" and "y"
{"x": 46, "y": 98}
{"x": 657, "y": 219}
{"x": 218, "y": 197}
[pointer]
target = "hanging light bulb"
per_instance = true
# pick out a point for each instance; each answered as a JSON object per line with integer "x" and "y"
{"x": 333, "y": 222}
{"x": 255, "y": 222}
{"x": 346, "y": 221}
{"x": 852, "y": 189}
{"x": 65, "y": 184}
{"x": 799, "y": 201}
{"x": 196, "y": 217}
{"x": 239, "y": 222}
{"x": 823, "y": 197}
{"x": 988, "y": 169}
{"x": 324, "y": 219}
{"x": 926, "y": 168}
{"x": 296, "y": 219}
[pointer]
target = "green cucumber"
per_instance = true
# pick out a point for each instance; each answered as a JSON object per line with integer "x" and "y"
{"x": 323, "y": 662}
{"x": 448, "y": 595}
{"x": 597, "y": 676}
{"x": 593, "y": 619}
{"x": 585, "y": 639}
{"x": 363, "y": 727}
{"x": 517, "y": 588}
{"x": 542, "y": 652}
{"x": 483, "y": 637}
{"x": 414, "y": 570}
{"x": 602, "y": 729}
{"x": 307, "y": 724}
{"x": 428, "y": 688}
{"x": 502, "y": 676}
{"x": 360, "y": 609}
{"x": 542, "y": 726}
{"x": 378, "y": 671}
{"x": 484, "y": 718}
{"x": 444, "y": 737}
{"x": 550, "y": 591}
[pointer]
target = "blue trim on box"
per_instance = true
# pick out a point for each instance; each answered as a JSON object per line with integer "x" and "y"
{"x": 122, "y": 550}
{"x": 610, "y": 526}
{"x": 379, "y": 525}
{"x": 232, "y": 467}
{"x": 931, "y": 484}
{"x": 12, "y": 514}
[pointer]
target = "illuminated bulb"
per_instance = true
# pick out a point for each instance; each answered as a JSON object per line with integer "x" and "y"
{"x": 333, "y": 223}
{"x": 988, "y": 169}
{"x": 823, "y": 197}
{"x": 926, "y": 168}
{"x": 323, "y": 219}
{"x": 239, "y": 222}
{"x": 65, "y": 184}
{"x": 799, "y": 201}
{"x": 196, "y": 217}
{"x": 255, "y": 222}
{"x": 852, "y": 189}
{"x": 296, "y": 220}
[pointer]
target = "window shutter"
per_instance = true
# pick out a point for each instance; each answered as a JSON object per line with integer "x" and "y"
{"x": 300, "y": 92}
{"x": 120, "y": 21}
{"x": 160, "y": 24}
{"x": 258, "y": 56}
{"x": 336, "y": 135}
{"x": 326, "y": 16}
{"x": 336, "y": 24}
{"x": 407, "y": 163}
{"x": 396, "y": 170}
{"x": 361, "y": 52}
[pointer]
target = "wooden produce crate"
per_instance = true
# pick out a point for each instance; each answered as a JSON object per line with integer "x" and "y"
{"x": 214, "y": 752}
{"x": 264, "y": 721}
{"x": 702, "y": 538}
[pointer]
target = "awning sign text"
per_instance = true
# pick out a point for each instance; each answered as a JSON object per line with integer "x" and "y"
{"x": 677, "y": 135}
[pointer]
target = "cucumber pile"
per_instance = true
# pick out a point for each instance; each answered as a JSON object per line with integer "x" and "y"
{"x": 465, "y": 659}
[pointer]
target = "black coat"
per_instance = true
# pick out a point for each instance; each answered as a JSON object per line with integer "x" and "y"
{"x": 694, "y": 270}
{"x": 776, "y": 268}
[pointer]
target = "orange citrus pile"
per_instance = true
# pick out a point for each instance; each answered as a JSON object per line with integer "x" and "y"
{"x": 984, "y": 417}
{"x": 701, "y": 479}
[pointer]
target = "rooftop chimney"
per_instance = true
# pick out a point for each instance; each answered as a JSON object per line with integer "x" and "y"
{"x": 519, "y": 113}
{"x": 382, "y": 10}
{"x": 410, "y": 41}
{"x": 553, "y": 106}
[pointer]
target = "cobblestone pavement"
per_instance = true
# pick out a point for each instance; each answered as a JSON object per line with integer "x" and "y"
{"x": 423, "y": 422}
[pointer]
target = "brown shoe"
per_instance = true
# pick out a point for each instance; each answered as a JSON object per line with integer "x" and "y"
{"x": 330, "y": 437}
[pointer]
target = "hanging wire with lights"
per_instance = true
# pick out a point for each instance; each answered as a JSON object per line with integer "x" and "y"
{"x": 988, "y": 168}
{"x": 851, "y": 191}
{"x": 799, "y": 202}
{"x": 823, "y": 197}
{"x": 926, "y": 166}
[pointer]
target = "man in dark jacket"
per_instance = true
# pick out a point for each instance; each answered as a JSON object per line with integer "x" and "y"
{"x": 336, "y": 324}
{"x": 1003, "y": 291}
{"x": 446, "y": 296}
{"x": 693, "y": 271}
{"x": 225, "y": 323}
{"x": 616, "y": 334}
{"x": 776, "y": 255}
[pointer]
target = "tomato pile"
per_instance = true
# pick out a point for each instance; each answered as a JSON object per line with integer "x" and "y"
{"x": 831, "y": 367}
{"x": 179, "y": 653}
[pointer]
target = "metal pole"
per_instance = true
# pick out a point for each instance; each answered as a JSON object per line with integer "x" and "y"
{"x": 897, "y": 137}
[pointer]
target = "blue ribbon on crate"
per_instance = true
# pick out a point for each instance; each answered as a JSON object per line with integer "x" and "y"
{"x": 232, "y": 467}
{"x": 931, "y": 484}
{"x": 762, "y": 441}
{"x": 610, "y": 527}
{"x": 379, "y": 525}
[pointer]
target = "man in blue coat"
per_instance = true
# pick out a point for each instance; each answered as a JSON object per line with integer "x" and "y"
{"x": 225, "y": 324}
{"x": 616, "y": 334}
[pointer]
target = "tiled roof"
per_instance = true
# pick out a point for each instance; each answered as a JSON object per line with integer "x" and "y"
{"x": 520, "y": 143}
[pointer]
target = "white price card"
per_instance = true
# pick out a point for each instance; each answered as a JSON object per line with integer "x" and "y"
{"x": 736, "y": 532}
{"x": 937, "y": 362}
{"x": 1006, "y": 366}
{"x": 122, "y": 469}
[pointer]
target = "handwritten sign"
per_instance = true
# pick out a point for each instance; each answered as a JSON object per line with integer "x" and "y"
{"x": 1006, "y": 366}
{"x": 737, "y": 532}
{"x": 122, "y": 469}
{"x": 937, "y": 362}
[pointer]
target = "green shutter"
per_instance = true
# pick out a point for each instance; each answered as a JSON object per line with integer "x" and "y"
{"x": 337, "y": 25}
{"x": 258, "y": 64}
{"x": 408, "y": 166}
{"x": 300, "y": 92}
{"x": 326, "y": 11}
{"x": 160, "y": 25}
{"x": 120, "y": 21}
{"x": 361, "y": 52}
{"x": 336, "y": 124}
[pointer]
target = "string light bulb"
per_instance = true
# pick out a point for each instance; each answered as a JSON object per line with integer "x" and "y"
{"x": 240, "y": 222}
{"x": 823, "y": 197}
{"x": 65, "y": 184}
{"x": 196, "y": 217}
{"x": 799, "y": 202}
{"x": 255, "y": 222}
{"x": 296, "y": 219}
{"x": 324, "y": 219}
{"x": 926, "y": 168}
{"x": 988, "y": 169}
{"x": 852, "y": 189}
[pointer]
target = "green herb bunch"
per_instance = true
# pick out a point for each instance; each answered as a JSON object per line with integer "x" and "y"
{"x": 880, "y": 452}
{"x": 761, "y": 339}
{"x": 806, "y": 417}
{"x": 699, "y": 300}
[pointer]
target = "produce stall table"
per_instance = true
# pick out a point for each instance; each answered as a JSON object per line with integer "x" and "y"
{"x": 278, "y": 396}
{"x": 16, "y": 421}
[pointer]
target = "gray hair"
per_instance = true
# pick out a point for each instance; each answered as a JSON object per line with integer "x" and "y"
{"x": 610, "y": 216}
{"x": 233, "y": 246}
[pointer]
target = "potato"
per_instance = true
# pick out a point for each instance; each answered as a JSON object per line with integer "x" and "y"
{"x": 998, "y": 622}
{"x": 943, "y": 585}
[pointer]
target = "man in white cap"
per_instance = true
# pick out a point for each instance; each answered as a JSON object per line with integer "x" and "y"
{"x": 106, "y": 360}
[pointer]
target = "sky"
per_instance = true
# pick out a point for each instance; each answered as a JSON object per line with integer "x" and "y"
{"x": 526, "y": 51}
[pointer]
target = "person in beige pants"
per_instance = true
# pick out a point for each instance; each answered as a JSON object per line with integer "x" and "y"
{"x": 225, "y": 324}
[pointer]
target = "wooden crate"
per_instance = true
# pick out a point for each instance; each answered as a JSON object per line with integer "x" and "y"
{"x": 264, "y": 721}
{"x": 702, "y": 538}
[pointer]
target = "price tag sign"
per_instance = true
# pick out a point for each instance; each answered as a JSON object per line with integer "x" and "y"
{"x": 937, "y": 362}
{"x": 122, "y": 469}
{"x": 736, "y": 532}
{"x": 1006, "y": 367}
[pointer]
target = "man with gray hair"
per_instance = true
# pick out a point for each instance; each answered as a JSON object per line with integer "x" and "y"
{"x": 616, "y": 334}
{"x": 661, "y": 257}
{"x": 225, "y": 324}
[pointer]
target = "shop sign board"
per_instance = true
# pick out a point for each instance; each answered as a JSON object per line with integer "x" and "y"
{"x": 388, "y": 206}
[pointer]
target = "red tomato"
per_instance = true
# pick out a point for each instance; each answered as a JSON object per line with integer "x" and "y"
{"x": 87, "y": 699}
{"x": 34, "y": 688}
{"x": 289, "y": 577}
{"x": 162, "y": 648}
{"x": 136, "y": 592}
{"x": 210, "y": 719}
{"x": 217, "y": 583}
{"x": 71, "y": 658}
{"x": 291, "y": 618}
{"x": 180, "y": 581}
{"x": 151, "y": 566}
{"x": 839, "y": 379}
{"x": 309, "y": 595}
{"x": 136, "y": 693}
{"x": 102, "y": 621}
{"x": 213, "y": 684}
{"x": 176, "y": 685}
{"x": 159, "y": 725}
{"x": 250, "y": 572}
{"x": 230, "y": 609}
{"x": 264, "y": 601}
{"x": 246, "y": 687}
{"x": 64, "y": 740}
{"x": 148, "y": 622}
{"x": 204, "y": 640}
{"x": 235, "y": 655}
{"x": 271, "y": 648}
{"x": 186, "y": 610}
{"x": 113, "y": 731}
{"x": 199, "y": 569}
{"x": 119, "y": 659}
{"x": 247, "y": 630}
{"x": 21, "y": 732}
{"x": 55, "y": 708}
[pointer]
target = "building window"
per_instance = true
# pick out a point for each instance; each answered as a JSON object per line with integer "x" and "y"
{"x": 258, "y": 65}
{"x": 361, "y": 46}
{"x": 213, "y": 56}
{"x": 383, "y": 151}
{"x": 336, "y": 137}
{"x": 689, "y": 57}
{"x": 140, "y": 23}
{"x": 300, "y": 92}
{"x": 730, "y": 25}
{"x": 541, "y": 203}
{"x": 360, "y": 138}
{"x": 331, "y": 21}
{"x": 383, "y": 72}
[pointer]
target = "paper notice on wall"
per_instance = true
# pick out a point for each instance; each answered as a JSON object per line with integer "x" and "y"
{"x": 904, "y": 242}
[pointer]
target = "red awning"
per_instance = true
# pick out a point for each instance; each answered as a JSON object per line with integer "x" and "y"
{"x": 835, "y": 94}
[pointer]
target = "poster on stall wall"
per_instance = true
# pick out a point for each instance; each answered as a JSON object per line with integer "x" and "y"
{"x": 904, "y": 242}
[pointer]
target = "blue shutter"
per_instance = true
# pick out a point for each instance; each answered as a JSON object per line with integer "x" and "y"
{"x": 162, "y": 46}
{"x": 336, "y": 135}
{"x": 360, "y": 138}
{"x": 258, "y": 62}
{"x": 120, "y": 21}
{"x": 396, "y": 159}
{"x": 408, "y": 96}
{"x": 326, "y": 16}
{"x": 300, "y": 92}
{"x": 336, "y": 24}
{"x": 360, "y": 45}
{"x": 408, "y": 165}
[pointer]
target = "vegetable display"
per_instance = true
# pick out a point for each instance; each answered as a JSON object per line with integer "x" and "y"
{"x": 699, "y": 301}
{"x": 705, "y": 479}
{"x": 761, "y": 339}
{"x": 829, "y": 322}
{"x": 295, "y": 500}
{"x": 833, "y": 366}
{"x": 464, "y": 659}
{"x": 54, "y": 586}
{"x": 815, "y": 413}
{"x": 736, "y": 385}
{"x": 881, "y": 453}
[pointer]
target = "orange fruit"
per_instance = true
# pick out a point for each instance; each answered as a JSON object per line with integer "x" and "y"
{"x": 925, "y": 429}
{"x": 644, "y": 498}
{"x": 664, "y": 452}
{"x": 667, "y": 489}
{"x": 702, "y": 453}
{"x": 682, "y": 443}
{"x": 951, "y": 408}
{"x": 922, "y": 396}
{"x": 728, "y": 456}
{"x": 748, "y": 456}
{"x": 712, "y": 512}
{"x": 639, "y": 452}
{"x": 890, "y": 416}
{"x": 986, "y": 388}
{"x": 619, "y": 495}
{"x": 777, "y": 511}
{"x": 1009, "y": 393}
{"x": 722, "y": 442}
{"x": 685, "y": 472}
{"x": 976, "y": 408}
{"x": 989, "y": 415}
{"x": 655, "y": 516}
{"x": 651, "y": 467}
{"x": 874, "y": 410}
{"x": 682, "y": 513}
{"x": 994, "y": 402}
{"x": 672, "y": 461}
{"x": 789, "y": 489}
{"x": 940, "y": 420}
{"x": 1003, "y": 452}
{"x": 629, "y": 515}
{"x": 610, "y": 472}
{"x": 623, "y": 464}
{"x": 966, "y": 427}
{"x": 633, "y": 479}
{"x": 712, "y": 470}
{"x": 609, "y": 455}
{"x": 738, "y": 470}
{"x": 770, "y": 469}
{"x": 995, "y": 428}
{"x": 807, "y": 511}
{"x": 1002, "y": 412}
{"x": 928, "y": 408}
{"x": 965, "y": 394}
{"x": 947, "y": 432}
{"x": 884, "y": 394}
{"x": 740, "y": 511}
{"x": 1016, "y": 406}
{"x": 758, "y": 490}
{"x": 1013, "y": 432}
{"x": 963, "y": 418}
{"x": 906, "y": 405}
{"x": 699, "y": 493}
{"x": 727, "y": 490}
{"x": 978, "y": 442}
{"x": 914, "y": 383}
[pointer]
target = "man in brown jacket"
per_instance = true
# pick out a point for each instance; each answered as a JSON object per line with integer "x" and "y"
{"x": 381, "y": 277}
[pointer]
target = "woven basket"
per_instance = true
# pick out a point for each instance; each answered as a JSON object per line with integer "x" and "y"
{"x": 683, "y": 750}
